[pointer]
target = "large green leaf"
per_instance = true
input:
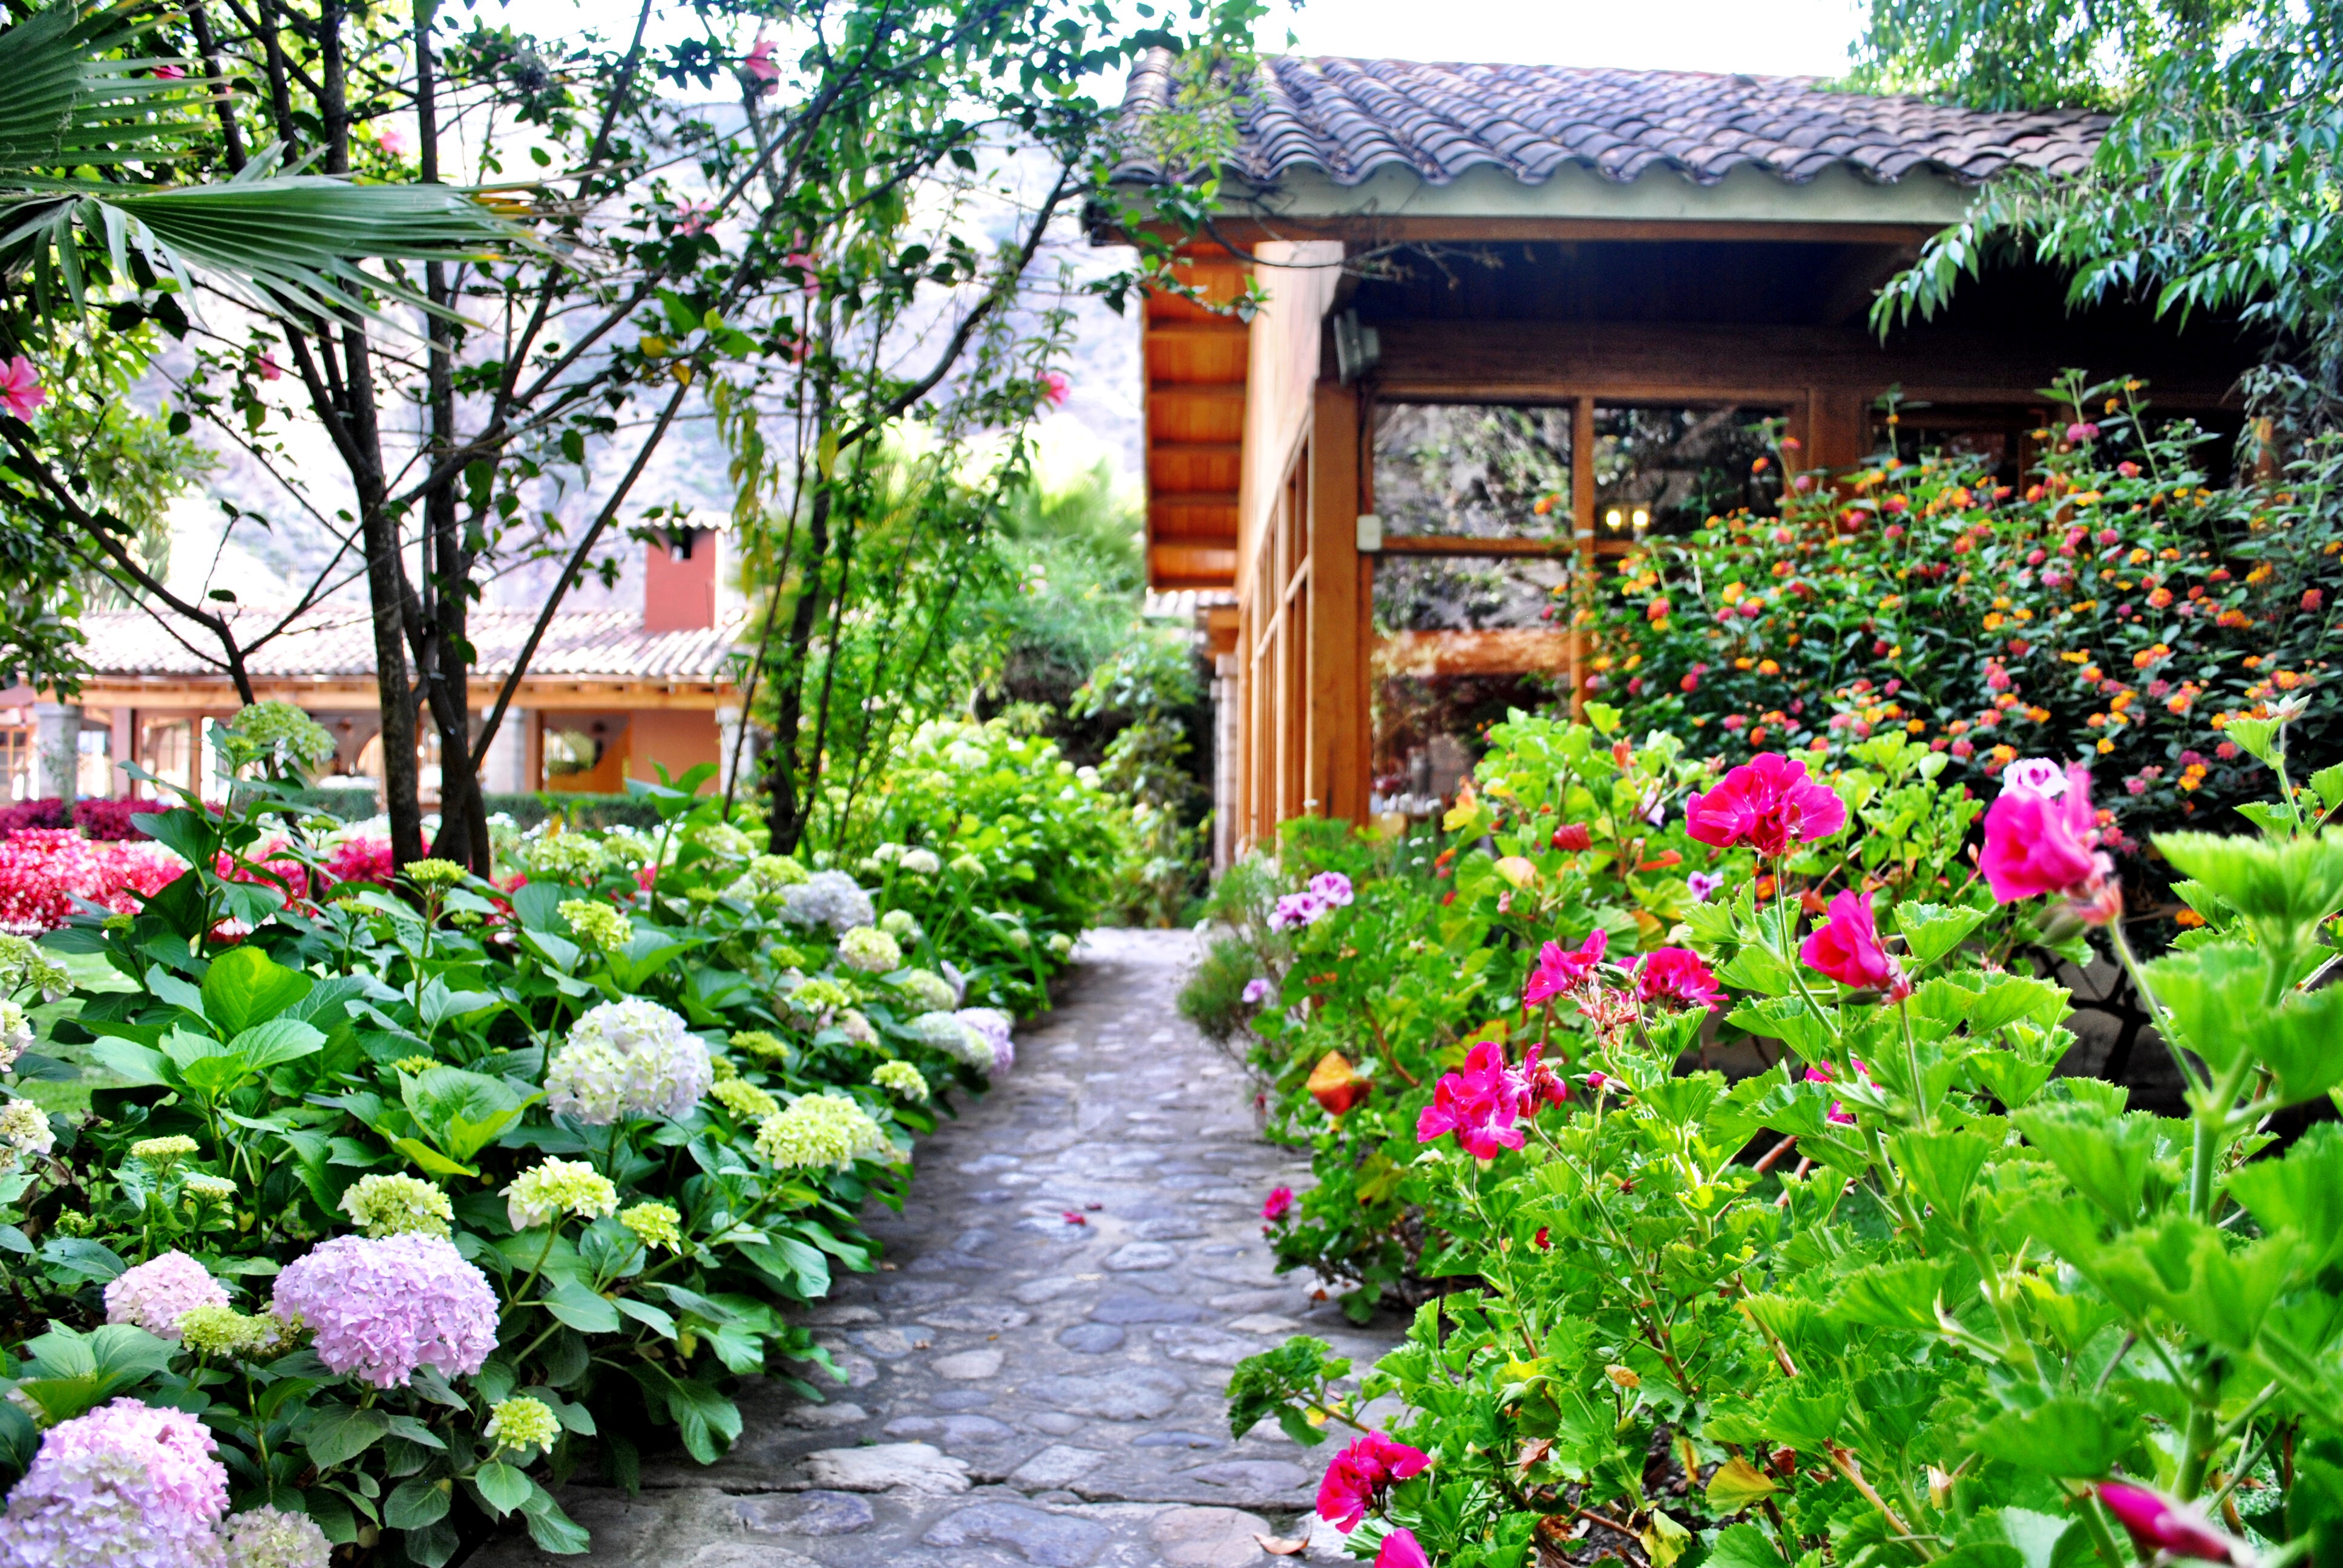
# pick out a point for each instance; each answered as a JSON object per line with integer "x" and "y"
{"x": 2280, "y": 888}
{"x": 2105, "y": 1155}
{"x": 2302, "y": 1193}
{"x": 79, "y": 95}
{"x": 244, "y": 986}
{"x": 2230, "y": 1001}
{"x": 2066, "y": 1436}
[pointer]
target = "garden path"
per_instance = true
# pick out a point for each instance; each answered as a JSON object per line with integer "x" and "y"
{"x": 1023, "y": 1389}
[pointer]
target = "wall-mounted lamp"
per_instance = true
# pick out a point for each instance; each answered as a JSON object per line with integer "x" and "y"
{"x": 1642, "y": 519}
{"x": 1612, "y": 519}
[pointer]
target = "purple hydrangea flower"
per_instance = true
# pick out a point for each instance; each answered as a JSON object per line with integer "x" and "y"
{"x": 381, "y": 1308}
{"x": 995, "y": 1026}
{"x": 126, "y": 1486}
{"x": 158, "y": 1293}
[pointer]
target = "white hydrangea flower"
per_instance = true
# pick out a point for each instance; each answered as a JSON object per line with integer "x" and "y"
{"x": 630, "y": 1058}
{"x": 563, "y": 857}
{"x": 856, "y": 1028}
{"x": 921, "y": 862}
{"x": 24, "y": 1133}
{"x": 829, "y": 898}
{"x": 954, "y": 1035}
{"x": 722, "y": 838}
{"x": 900, "y": 924}
{"x": 998, "y": 1030}
{"x": 16, "y": 1033}
{"x": 900, "y": 1077}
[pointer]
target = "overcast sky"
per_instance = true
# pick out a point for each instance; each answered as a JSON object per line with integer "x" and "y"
{"x": 1786, "y": 37}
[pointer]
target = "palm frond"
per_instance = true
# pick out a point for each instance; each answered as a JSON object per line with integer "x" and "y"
{"x": 286, "y": 241}
{"x": 65, "y": 103}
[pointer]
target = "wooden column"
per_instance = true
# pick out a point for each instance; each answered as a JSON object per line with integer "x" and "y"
{"x": 1337, "y": 772}
{"x": 1581, "y": 533}
{"x": 1841, "y": 428}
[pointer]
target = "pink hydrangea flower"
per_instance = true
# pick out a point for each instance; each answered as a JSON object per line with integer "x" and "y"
{"x": 21, "y": 392}
{"x": 2159, "y": 1525}
{"x": 2038, "y": 844}
{"x": 1770, "y": 802}
{"x": 125, "y": 1485}
{"x": 1279, "y": 1204}
{"x": 1559, "y": 969}
{"x": 1676, "y": 974}
{"x": 382, "y": 1308}
{"x": 998, "y": 1032}
{"x": 1361, "y": 1471}
{"x": 1400, "y": 1549}
{"x": 158, "y": 1293}
{"x": 1479, "y": 1102}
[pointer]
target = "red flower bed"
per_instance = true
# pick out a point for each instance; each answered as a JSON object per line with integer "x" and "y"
{"x": 44, "y": 870}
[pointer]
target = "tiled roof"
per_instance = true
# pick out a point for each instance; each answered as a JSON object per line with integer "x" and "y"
{"x": 1352, "y": 118}
{"x": 338, "y": 641}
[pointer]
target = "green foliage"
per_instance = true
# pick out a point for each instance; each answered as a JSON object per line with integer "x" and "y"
{"x": 1894, "y": 1296}
{"x": 2110, "y": 605}
{"x": 319, "y": 1041}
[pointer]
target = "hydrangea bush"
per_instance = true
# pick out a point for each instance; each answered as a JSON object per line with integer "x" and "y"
{"x": 1894, "y": 1290}
{"x": 411, "y": 1195}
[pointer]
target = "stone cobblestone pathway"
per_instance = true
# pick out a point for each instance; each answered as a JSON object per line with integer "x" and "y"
{"x": 1022, "y": 1388}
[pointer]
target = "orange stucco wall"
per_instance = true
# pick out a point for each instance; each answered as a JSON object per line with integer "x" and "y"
{"x": 676, "y": 737}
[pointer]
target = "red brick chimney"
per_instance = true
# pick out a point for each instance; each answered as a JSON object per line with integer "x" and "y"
{"x": 679, "y": 581}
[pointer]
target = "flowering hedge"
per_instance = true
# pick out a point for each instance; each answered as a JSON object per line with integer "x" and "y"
{"x": 2111, "y": 604}
{"x": 394, "y": 1202}
{"x": 1570, "y": 849}
{"x": 45, "y": 871}
{"x": 1901, "y": 1295}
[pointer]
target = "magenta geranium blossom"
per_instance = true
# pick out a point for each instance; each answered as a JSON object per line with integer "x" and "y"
{"x": 1400, "y": 1549}
{"x": 2038, "y": 843}
{"x": 1676, "y": 974}
{"x": 1279, "y": 1203}
{"x": 1361, "y": 1471}
{"x": 1846, "y": 948}
{"x": 2158, "y": 1525}
{"x": 1769, "y": 802}
{"x": 1559, "y": 969}
{"x": 1478, "y": 1102}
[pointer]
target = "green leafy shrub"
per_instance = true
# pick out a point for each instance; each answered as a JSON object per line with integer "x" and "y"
{"x": 634, "y": 1101}
{"x": 1904, "y": 1295}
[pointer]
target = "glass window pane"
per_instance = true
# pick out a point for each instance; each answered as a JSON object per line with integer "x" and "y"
{"x": 1471, "y": 469}
{"x": 1670, "y": 470}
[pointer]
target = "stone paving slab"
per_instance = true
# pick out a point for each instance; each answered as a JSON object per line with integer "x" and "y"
{"x": 1022, "y": 1389}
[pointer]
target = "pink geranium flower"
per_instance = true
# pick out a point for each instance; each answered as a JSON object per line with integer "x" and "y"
{"x": 1279, "y": 1204}
{"x": 1676, "y": 974}
{"x": 1360, "y": 1472}
{"x": 1821, "y": 1073}
{"x": 2159, "y": 1525}
{"x": 1479, "y": 1103}
{"x": 1334, "y": 887}
{"x": 1400, "y": 1549}
{"x": 21, "y": 392}
{"x": 1561, "y": 968}
{"x": 1770, "y": 802}
{"x": 2038, "y": 844}
{"x": 1535, "y": 1084}
{"x": 1846, "y": 948}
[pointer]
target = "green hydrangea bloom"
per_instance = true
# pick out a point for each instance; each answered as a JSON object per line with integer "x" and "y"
{"x": 563, "y": 857}
{"x": 901, "y": 1078}
{"x": 206, "y": 1188}
{"x": 744, "y": 1100}
{"x": 819, "y": 1131}
{"x": 760, "y": 1045}
{"x": 434, "y": 873}
{"x": 399, "y": 1205}
{"x": 552, "y": 1188}
{"x": 522, "y": 1423}
{"x": 163, "y": 1151}
{"x": 225, "y": 1332}
{"x": 725, "y": 840}
{"x": 278, "y": 736}
{"x": 22, "y": 964}
{"x": 655, "y": 1225}
{"x": 870, "y": 950}
{"x": 819, "y": 996}
{"x": 597, "y": 924}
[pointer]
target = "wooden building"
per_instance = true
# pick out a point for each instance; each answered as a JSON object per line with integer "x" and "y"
{"x": 612, "y": 694}
{"x": 1515, "y": 317}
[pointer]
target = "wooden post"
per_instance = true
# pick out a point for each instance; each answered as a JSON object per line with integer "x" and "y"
{"x": 1337, "y": 771}
{"x": 1582, "y": 529}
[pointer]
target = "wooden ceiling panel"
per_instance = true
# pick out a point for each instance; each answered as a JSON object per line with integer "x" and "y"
{"x": 1195, "y": 415}
{"x": 1173, "y": 468}
{"x": 1196, "y": 362}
